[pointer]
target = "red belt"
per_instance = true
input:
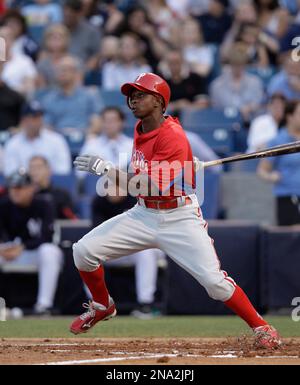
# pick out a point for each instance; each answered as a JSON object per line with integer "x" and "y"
{"x": 165, "y": 205}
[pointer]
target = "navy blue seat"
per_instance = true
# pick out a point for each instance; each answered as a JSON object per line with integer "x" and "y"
{"x": 83, "y": 203}
{"x": 211, "y": 203}
{"x": 217, "y": 127}
{"x": 66, "y": 182}
{"x": 89, "y": 185}
{"x": 130, "y": 121}
{"x": 265, "y": 74}
{"x": 113, "y": 98}
{"x": 83, "y": 207}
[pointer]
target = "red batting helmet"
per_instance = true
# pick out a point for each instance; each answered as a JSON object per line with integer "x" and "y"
{"x": 151, "y": 83}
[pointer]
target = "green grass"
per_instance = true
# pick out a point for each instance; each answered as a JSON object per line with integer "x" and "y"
{"x": 121, "y": 326}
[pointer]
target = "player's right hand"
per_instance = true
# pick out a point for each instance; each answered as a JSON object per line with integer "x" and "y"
{"x": 92, "y": 164}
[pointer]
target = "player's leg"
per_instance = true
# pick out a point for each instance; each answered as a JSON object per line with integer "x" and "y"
{"x": 120, "y": 236}
{"x": 186, "y": 241}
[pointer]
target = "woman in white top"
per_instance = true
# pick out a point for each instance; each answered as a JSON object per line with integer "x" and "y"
{"x": 129, "y": 64}
{"x": 265, "y": 127}
{"x": 198, "y": 54}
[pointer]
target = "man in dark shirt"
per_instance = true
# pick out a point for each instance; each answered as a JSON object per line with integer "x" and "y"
{"x": 216, "y": 21}
{"x": 188, "y": 89}
{"x": 40, "y": 173}
{"x": 26, "y": 231}
{"x": 11, "y": 103}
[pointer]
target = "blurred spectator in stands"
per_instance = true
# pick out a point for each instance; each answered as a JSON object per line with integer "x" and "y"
{"x": 274, "y": 21}
{"x": 10, "y": 105}
{"x": 188, "y": 89}
{"x": 245, "y": 13}
{"x": 162, "y": 17}
{"x": 286, "y": 42}
{"x": 85, "y": 38}
{"x": 109, "y": 51}
{"x": 265, "y": 127}
{"x": 26, "y": 232}
{"x": 104, "y": 15}
{"x": 35, "y": 139}
{"x": 196, "y": 53}
{"x": 284, "y": 171}
{"x": 235, "y": 88}
{"x": 129, "y": 64}
{"x": 216, "y": 21}
{"x": 272, "y": 18}
{"x": 40, "y": 173}
{"x": 112, "y": 141}
{"x": 249, "y": 34}
{"x": 19, "y": 71}
{"x": 138, "y": 23}
{"x": 23, "y": 42}
{"x": 290, "y": 5}
{"x": 55, "y": 47}
{"x": 287, "y": 81}
{"x": 40, "y": 14}
{"x": 184, "y": 8}
{"x": 71, "y": 108}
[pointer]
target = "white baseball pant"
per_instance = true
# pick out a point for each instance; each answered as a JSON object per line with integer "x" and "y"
{"x": 180, "y": 233}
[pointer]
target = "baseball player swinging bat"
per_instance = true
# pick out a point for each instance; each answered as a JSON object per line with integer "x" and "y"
{"x": 173, "y": 223}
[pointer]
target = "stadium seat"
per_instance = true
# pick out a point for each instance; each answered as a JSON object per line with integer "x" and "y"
{"x": 216, "y": 69}
{"x": 113, "y": 98}
{"x": 217, "y": 127}
{"x": 130, "y": 121}
{"x": 89, "y": 185}
{"x": 264, "y": 74}
{"x": 83, "y": 207}
{"x": 67, "y": 182}
{"x": 211, "y": 204}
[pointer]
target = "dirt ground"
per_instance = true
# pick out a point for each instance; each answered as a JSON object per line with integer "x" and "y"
{"x": 170, "y": 351}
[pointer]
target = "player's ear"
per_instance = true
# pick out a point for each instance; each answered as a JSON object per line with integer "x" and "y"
{"x": 159, "y": 102}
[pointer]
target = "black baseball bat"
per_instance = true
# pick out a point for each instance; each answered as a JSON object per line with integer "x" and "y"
{"x": 283, "y": 149}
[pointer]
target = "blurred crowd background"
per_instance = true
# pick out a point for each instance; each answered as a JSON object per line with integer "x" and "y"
{"x": 232, "y": 67}
{"x": 234, "y": 72}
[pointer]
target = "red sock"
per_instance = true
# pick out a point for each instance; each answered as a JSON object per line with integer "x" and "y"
{"x": 96, "y": 283}
{"x": 241, "y": 305}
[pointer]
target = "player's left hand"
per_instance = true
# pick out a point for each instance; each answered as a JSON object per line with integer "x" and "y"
{"x": 92, "y": 164}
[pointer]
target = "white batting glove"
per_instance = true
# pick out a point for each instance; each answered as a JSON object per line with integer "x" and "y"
{"x": 92, "y": 164}
{"x": 197, "y": 164}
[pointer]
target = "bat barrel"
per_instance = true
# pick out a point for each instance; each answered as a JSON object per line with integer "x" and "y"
{"x": 289, "y": 148}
